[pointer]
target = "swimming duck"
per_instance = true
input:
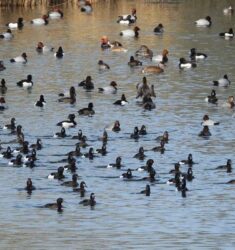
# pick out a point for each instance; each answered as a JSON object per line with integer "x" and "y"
{"x": 17, "y": 161}
{"x": 128, "y": 19}
{"x": 176, "y": 169}
{"x": 78, "y": 136}
{"x": 73, "y": 183}
{"x": 143, "y": 88}
{"x": 160, "y": 148}
{"x": 135, "y": 134}
{"x": 41, "y": 102}
{"x": 154, "y": 69}
{"x": 87, "y": 84}
{"x": 7, "y": 35}
{"x": 29, "y": 186}
{"x": 26, "y": 83}
{"x": 205, "y": 132}
{"x": 24, "y": 149}
{"x": 144, "y": 52}
{"x": 164, "y": 137}
{"x": 61, "y": 134}
{"x": 12, "y": 125}
{"x": 90, "y": 155}
{"x": 194, "y": 55}
{"x": 70, "y": 123}
{"x": 212, "y": 98}
{"x": 228, "y": 11}
{"x": 112, "y": 89}
{"x": 3, "y": 87}
{"x": 87, "y": 7}
{"x": 60, "y": 53}
{"x": 184, "y": 64}
{"x": 116, "y": 126}
{"x": 159, "y": 29}
{"x": 130, "y": 33}
{"x": 189, "y": 175}
{"x": 31, "y": 157}
{"x": 83, "y": 142}
{"x": 56, "y": 13}
{"x": 228, "y": 166}
{"x": 151, "y": 176}
{"x": 87, "y": 111}
{"x": 41, "y": 48}
{"x": 183, "y": 187}
{"x": 7, "y": 154}
{"x": 204, "y": 22}
{"x": 104, "y": 137}
{"x": 20, "y": 59}
{"x": 228, "y": 34}
{"x": 127, "y": 175}
{"x": 143, "y": 130}
{"x": 105, "y": 44}
{"x": 222, "y": 82}
{"x": 140, "y": 155}
{"x": 148, "y": 103}
{"x": 161, "y": 58}
{"x": 58, "y": 205}
{"x": 76, "y": 152}
{"x": 37, "y": 145}
{"x": 121, "y": 102}
{"x": 189, "y": 160}
{"x": 89, "y": 202}
{"x": 147, "y": 167}
{"x": 18, "y": 25}
{"x": 102, "y": 65}
{"x": 134, "y": 63}
{"x": 81, "y": 188}
{"x": 2, "y": 67}
{"x": 117, "y": 164}
{"x": 40, "y": 21}
{"x": 208, "y": 122}
{"x": 102, "y": 150}
{"x": 57, "y": 175}
{"x": 2, "y": 103}
{"x": 68, "y": 99}
{"x": 230, "y": 102}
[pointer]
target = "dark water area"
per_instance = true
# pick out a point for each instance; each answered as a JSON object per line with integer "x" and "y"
{"x": 122, "y": 218}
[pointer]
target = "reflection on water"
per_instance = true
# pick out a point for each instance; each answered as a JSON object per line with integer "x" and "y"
{"x": 121, "y": 216}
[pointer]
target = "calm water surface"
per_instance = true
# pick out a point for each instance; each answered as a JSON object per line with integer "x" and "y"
{"x": 122, "y": 218}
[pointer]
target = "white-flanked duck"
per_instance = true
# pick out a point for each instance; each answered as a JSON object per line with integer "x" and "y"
{"x": 26, "y": 83}
{"x": 41, "y": 48}
{"x": 20, "y": 59}
{"x": 123, "y": 101}
{"x": 228, "y": 11}
{"x": 161, "y": 58}
{"x": 7, "y": 35}
{"x": 18, "y": 25}
{"x": 40, "y": 21}
{"x": 204, "y": 22}
{"x": 228, "y": 34}
{"x": 222, "y": 82}
{"x": 184, "y": 64}
{"x": 112, "y": 89}
{"x": 70, "y": 123}
{"x": 87, "y": 7}
{"x": 208, "y": 122}
{"x": 194, "y": 55}
{"x": 130, "y": 33}
{"x": 41, "y": 102}
{"x": 56, "y": 13}
{"x": 128, "y": 19}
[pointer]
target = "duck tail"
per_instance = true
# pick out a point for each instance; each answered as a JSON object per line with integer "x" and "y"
{"x": 12, "y": 60}
{"x": 121, "y": 34}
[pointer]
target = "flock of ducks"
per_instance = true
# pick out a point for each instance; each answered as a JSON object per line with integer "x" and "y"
{"x": 26, "y": 154}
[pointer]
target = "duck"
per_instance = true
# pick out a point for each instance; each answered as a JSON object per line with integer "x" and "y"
{"x": 184, "y": 64}
{"x": 73, "y": 183}
{"x": 117, "y": 164}
{"x": 31, "y": 157}
{"x": 205, "y": 132}
{"x": 78, "y": 136}
{"x": 159, "y": 29}
{"x": 188, "y": 161}
{"x": 228, "y": 166}
{"x": 130, "y": 33}
{"x": 140, "y": 155}
{"x": 134, "y": 63}
{"x": 151, "y": 176}
{"x": 143, "y": 130}
{"x": 37, "y": 145}
{"x": 12, "y": 125}
{"x": 59, "y": 53}
{"x": 87, "y": 7}
{"x": 102, "y": 150}
{"x": 143, "y": 88}
{"x": 20, "y": 59}
{"x": 76, "y": 152}
{"x": 89, "y": 202}
{"x": 122, "y": 102}
{"x": 212, "y": 98}
{"x": 146, "y": 191}
{"x": 228, "y": 34}
{"x": 29, "y": 186}
{"x": 26, "y": 83}
{"x": 83, "y": 142}
{"x": 87, "y": 84}
{"x": 208, "y": 122}
{"x": 40, "y": 21}
{"x": 57, "y": 175}
{"x": 111, "y": 89}
{"x": 228, "y": 11}
{"x": 144, "y": 52}
{"x": 81, "y": 189}
{"x": 58, "y": 205}
{"x": 116, "y": 127}
{"x": 229, "y": 103}
{"x": 127, "y": 175}
{"x": 104, "y": 137}
{"x": 128, "y": 19}
{"x": 70, "y": 123}
{"x": 160, "y": 148}
{"x": 183, "y": 187}
{"x": 2, "y": 67}
{"x": 90, "y": 154}
{"x": 41, "y": 102}
{"x": 18, "y": 25}
{"x": 154, "y": 69}
{"x": 7, "y": 35}
{"x": 41, "y": 48}
{"x": 147, "y": 167}
{"x": 176, "y": 169}
{"x": 194, "y": 55}
{"x": 87, "y": 111}
{"x": 222, "y": 82}
{"x": 135, "y": 134}
{"x": 68, "y": 99}
{"x": 102, "y": 65}
{"x": 189, "y": 175}
{"x": 7, "y": 154}
{"x": 148, "y": 103}
{"x": 3, "y": 87}
{"x": 3, "y": 105}
{"x": 204, "y": 22}
{"x": 105, "y": 44}
{"x": 164, "y": 137}
{"x": 17, "y": 161}
{"x": 24, "y": 149}
{"x": 161, "y": 58}
{"x": 61, "y": 134}
{"x": 56, "y": 13}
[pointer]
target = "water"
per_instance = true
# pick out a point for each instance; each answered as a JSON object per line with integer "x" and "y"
{"x": 121, "y": 218}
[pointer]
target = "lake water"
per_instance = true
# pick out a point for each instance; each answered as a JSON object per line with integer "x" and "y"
{"x": 122, "y": 219}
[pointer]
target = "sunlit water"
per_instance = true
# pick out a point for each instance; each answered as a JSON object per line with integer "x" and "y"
{"x": 122, "y": 219}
